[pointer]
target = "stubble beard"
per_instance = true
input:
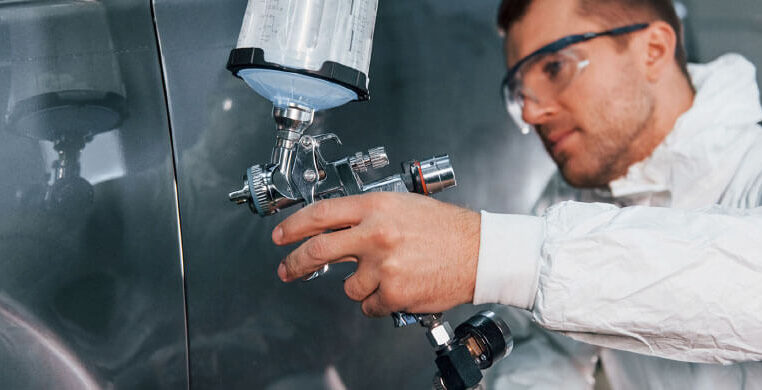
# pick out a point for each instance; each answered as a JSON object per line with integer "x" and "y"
{"x": 612, "y": 148}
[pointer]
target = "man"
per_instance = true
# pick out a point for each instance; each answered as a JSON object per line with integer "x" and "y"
{"x": 672, "y": 270}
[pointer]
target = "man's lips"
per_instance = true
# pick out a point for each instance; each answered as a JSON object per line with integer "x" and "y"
{"x": 556, "y": 140}
{"x": 558, "y": 136}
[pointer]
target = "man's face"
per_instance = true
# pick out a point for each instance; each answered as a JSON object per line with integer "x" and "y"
{"x": 590, "y": 127}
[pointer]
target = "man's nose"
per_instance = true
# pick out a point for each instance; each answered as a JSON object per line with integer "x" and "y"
{"x": 536, "y": 112}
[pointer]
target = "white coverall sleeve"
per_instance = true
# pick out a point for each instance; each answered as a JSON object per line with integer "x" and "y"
{"x": 678, "y": 284}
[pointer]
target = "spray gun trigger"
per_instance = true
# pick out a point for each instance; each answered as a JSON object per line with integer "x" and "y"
{"x": 316, "y": 274}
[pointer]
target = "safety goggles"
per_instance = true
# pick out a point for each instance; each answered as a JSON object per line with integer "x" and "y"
{"x": 542, "y": 75}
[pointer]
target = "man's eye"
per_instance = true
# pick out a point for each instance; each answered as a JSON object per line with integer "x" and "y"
{"x": 552, "y": 68}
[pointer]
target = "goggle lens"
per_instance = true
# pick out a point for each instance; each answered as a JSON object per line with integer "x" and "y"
{"x": 541, "y": 79}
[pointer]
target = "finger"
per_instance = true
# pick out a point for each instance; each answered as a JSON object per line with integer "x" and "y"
{"x": 320, "y": 216}
{"x": 320, "y": 250}
{"x": 360, "y": 285}
{"x": 373, "y": 306}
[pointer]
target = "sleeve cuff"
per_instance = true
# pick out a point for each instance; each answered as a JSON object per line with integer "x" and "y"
{"x": 509, "y": 259}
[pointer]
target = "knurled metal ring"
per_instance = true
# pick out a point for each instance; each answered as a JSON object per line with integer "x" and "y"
{"x": 263, "y": 202}
{"x": 359, "y": 162}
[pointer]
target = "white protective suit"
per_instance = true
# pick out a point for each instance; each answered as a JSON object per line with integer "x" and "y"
{"x": 673, "y": 269}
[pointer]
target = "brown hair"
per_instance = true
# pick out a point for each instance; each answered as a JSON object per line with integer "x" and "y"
{"x": 612, "y": 13}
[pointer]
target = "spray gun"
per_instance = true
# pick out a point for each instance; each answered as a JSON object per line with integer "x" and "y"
{"x": 311, "y": 55}
{"x": 299, "y": 173}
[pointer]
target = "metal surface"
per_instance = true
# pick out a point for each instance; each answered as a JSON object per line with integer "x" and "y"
{"x": 714, "y": 28}
{"x": 248, "y": 329}
{"x": 437, "y": 174}
{"x": 90, "y": 263}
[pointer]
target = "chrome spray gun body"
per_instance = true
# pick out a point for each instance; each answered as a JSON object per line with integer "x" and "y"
{"x": 298, "y": 172}
{"x": 305, "y": 56}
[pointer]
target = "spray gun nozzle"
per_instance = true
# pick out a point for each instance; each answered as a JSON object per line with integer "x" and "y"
{"x": 241, "y": 196}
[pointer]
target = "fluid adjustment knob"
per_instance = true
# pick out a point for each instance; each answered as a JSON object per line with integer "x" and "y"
{"x": 376, "y": 158}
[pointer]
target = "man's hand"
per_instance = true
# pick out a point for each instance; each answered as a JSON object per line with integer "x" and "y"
{"x": 414, "y": 254}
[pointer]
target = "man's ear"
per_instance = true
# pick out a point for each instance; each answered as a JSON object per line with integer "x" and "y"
{"x": 660, "y": 42}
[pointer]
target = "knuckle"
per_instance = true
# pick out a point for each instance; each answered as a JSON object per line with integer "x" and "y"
{"x": 317, "y": 248}
{"x": 386, "y": 236}
{"x": 292, "y": 270}
{"x": 389, "y": 270}
{"x": 321, "y": 210}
